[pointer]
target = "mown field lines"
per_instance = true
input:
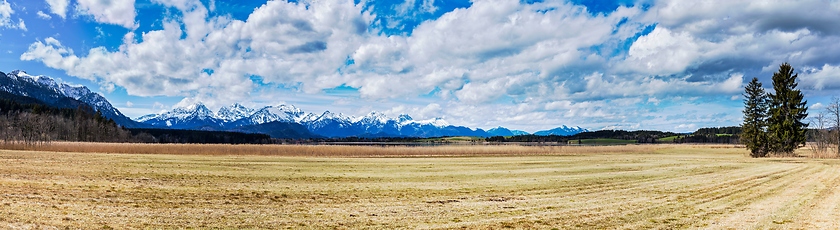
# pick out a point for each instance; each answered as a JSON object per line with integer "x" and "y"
{"x": 664, "y": 187}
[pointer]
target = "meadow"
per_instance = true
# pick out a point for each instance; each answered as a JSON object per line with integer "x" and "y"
{"x": 85, "y": 185}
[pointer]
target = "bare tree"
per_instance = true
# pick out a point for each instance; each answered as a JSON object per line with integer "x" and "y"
{"x": 833, "y": 110}
{"x": 820, "y": 135}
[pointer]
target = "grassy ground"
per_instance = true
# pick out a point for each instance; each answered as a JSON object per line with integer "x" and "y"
{"x": 663, "y": 186}
{"x": 603, "y": 141}
{"x": 668, "y": 139}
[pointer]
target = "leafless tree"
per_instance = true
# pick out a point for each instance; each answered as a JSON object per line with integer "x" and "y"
{"x": 833, "y": 110}
{"x": 820, "y": 135}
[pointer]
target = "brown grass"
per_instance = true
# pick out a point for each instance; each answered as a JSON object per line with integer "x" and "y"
{"x": 342, "y": 150}
{"x": 659, "y": 187}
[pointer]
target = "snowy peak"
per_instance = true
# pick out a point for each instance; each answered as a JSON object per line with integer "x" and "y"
{"x": 285, "y": 113}
{"x": 404, "y": 117}
{"x": 187, "y": 117}
{"x": 197, "y": 109}
{"x": 194, "y": 111}
{"x": 75, "y": 92}
{"x": 375, "y": 118}
{"x": 234, "y": 112}
{"x": 562, "y": 131}
{"x": 327, "y": 115}
{"x": 147, "y": 117}
{"x": 290, "y": 109}
{"x": 437, "y": 122}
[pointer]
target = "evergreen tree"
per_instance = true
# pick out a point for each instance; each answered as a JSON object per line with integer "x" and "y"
{"x": 755, "y": 119}
{"x": 787, "y": 110}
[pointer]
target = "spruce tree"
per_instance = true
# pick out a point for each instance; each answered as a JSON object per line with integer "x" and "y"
{"x": 755, "y": 119}
{"x": 787, "y": 110}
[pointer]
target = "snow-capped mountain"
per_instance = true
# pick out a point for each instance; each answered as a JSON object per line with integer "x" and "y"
{"x": 282, "y": 113}
{"x": 234, "y": 112}
{"x": 61, "y": 95}
{"x": 562, "y": 131}
{"x": 195, "y": 116}
{"x": 327, "y": 124}
{"x": 502, "y": 131}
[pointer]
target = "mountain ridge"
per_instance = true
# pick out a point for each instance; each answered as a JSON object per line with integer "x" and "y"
{"x": 327, "y": 124}
{"x": 61, "y": 95}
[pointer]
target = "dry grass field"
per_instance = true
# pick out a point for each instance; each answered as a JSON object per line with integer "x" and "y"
{"x": 612, "y": 187}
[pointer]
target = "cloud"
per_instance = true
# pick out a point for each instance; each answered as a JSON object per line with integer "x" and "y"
{"x": 43, "y": 15}
{"x": 116, "y": 12}
{"x": 212, "y": 58}
{"x": 6, "y": 21}
{"x": 484, "y": 52}
{"x": 717, "y": 18}
{"x": 59, "y": 7}
{"x": 686, "y": 127}
{"x": 21, "y": 25}
{"x": 825, "y": 78}
{"x": 713, "y": 37}
{"x": 664, "y": 52}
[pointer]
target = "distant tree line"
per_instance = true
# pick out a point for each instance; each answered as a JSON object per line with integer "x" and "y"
{"x": 731, "y": 130}
{"x": 720, "y": 135}
{"x": 200, "y": 137}
{"x": 641, "y": 136}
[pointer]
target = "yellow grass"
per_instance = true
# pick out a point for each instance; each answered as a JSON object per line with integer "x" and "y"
{"x": 662, "y": 186}
{"x": 335, "y": 150}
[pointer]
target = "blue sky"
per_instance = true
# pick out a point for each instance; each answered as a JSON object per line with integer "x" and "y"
{"x": 530, "y": 65}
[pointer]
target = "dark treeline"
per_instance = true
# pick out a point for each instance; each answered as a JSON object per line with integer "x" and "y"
{"x": 641, "y": 136}
{"x": 733, "y": 130}
{"x": 200, "y": 137}
{"x": 727, "y": 135}
{"x": 719, "y": 135}
{"x": 366, "y": 139}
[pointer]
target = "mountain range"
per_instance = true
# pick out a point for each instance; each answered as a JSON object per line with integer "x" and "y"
{"x": 327, "y": 124}
{"x": 279, "y": 121}
{"x": 61, "y": 95}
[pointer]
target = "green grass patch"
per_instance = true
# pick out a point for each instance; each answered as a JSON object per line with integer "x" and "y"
{"x": 602, "y": 141}
{"x": 667, "y": 139}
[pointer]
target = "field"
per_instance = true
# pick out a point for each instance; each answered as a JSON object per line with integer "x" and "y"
{"x": 602, "y": 141}
{"x": 581, "y": 187}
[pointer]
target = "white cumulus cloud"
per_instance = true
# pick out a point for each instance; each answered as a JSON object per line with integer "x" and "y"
{"x": 43, "y": 15}
{"x": 826, "y": 77}
{"x": 59, "y": 7}
{"x": 117, "y": 12}
{"x": 6, "y": 21}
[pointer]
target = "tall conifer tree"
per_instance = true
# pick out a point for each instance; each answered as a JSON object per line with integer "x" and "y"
{"x": 754, "y": 134}
{"x": 787, "y": 110}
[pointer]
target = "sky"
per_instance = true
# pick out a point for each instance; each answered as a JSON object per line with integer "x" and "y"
{"x": 670, "y": 65}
